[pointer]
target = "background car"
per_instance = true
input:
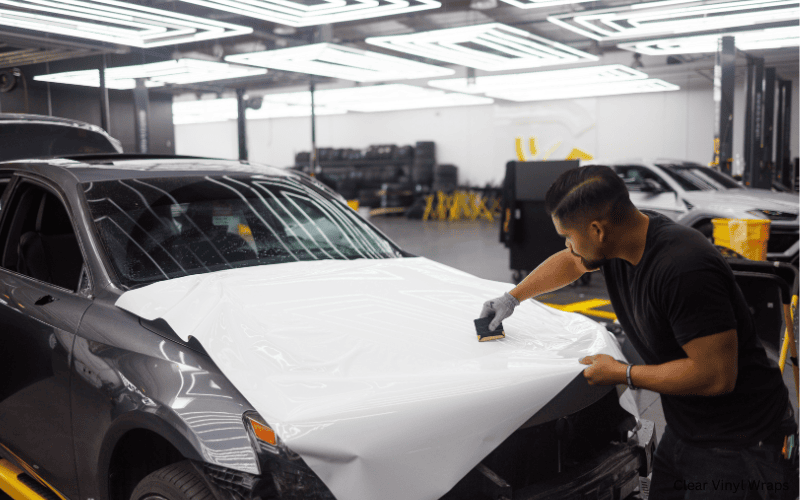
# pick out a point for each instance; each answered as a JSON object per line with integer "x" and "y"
{"x": 693, "y": 195}
{"x": 38, "y": 136}
{"x": 100, "y": 403}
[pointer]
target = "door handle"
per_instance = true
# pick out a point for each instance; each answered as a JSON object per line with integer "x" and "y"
{"x": 44, "y": 300}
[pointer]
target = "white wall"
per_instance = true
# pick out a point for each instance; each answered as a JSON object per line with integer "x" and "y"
{"x": 481, "y": 139}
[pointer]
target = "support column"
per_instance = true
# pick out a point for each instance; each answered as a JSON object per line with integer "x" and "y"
{"x": 315, "y": 169}
{"x": 724, "y": 78}
{"x": 754, "y": 121}
{"x": 141, "y": 105}
{"x": 783, "y": 162}
{"x": 767, "y": 174}
{"x": 105, "y": 113}
{"x": 241, "y": 123}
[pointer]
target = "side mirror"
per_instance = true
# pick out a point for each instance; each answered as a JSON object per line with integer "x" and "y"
{"x": 652, "y": 186}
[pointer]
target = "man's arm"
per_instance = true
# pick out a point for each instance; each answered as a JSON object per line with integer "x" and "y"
{"x": 710, "y": 369}
{"x": 558, "y": 271}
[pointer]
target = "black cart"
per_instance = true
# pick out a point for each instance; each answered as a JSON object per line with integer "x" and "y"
{"x": 527, "y": 230}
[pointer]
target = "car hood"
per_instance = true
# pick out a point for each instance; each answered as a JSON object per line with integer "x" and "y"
{"x": 371, "y": 370}
{"x": 743, "y": 200}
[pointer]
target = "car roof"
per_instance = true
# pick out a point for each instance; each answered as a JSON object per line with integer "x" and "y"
{"x": 102, "y": 167}
{"x": 643, "y": 161}
{"x": 22, "y": 117}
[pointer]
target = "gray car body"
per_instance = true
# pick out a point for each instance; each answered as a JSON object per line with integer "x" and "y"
{"x": 89, "y": 375}
{"x": 114, "y": 373}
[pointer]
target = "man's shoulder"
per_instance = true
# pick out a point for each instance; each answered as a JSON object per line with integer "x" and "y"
{"x": 680, "y": 245}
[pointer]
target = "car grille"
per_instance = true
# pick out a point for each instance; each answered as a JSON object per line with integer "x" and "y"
{"x": 531, "y": 455}
{"x": 781, "y": 239}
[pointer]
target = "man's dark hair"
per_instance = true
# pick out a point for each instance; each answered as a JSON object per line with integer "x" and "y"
{"x": 589, "y": 193}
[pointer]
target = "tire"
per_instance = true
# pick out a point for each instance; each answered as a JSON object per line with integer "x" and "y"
{"x": 178, "y": 481}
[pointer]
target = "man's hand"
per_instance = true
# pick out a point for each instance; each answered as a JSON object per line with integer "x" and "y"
{"x": 502, "y": 307}
{"x": 604, "y": 370}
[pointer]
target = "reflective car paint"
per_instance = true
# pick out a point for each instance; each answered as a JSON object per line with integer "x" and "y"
{"x": 120, "y": 376}
{"x": 117, "y": 372}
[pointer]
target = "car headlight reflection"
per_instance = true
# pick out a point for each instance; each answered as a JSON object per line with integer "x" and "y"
{"x": 772, "y": 214}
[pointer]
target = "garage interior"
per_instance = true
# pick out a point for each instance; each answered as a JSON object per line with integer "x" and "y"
{"x": 412, "y": 110}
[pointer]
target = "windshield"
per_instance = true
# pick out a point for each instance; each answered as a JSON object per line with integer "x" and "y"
{"x": 37, "y": 140}
{"x": 160, "y": 228}
{"x": 700, "y": 178}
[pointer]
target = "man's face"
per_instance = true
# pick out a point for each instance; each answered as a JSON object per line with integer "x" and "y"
{"x": 583, "y": 242}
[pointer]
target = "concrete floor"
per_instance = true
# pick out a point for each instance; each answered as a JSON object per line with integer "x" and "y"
{"x": 474, "y": 247}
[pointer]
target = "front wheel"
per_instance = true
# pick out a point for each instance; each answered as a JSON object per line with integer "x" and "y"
{"x": 178, "y": 481}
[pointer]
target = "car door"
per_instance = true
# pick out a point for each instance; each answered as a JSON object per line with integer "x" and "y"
{"x": 665, "y": 202}
{"x": 41, "y": 267}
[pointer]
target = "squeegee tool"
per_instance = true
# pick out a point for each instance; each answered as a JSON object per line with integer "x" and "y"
{"x": 484, "y": 334}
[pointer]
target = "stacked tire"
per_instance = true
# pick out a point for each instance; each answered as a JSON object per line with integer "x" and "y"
{"x": 424, "y": 162}
{"x": 445, "y": 178}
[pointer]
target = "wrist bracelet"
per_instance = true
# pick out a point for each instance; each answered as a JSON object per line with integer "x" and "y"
{"x": 628, "y": 375}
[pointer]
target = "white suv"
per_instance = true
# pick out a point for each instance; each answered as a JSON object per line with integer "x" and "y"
{"x": 693, "y": 194}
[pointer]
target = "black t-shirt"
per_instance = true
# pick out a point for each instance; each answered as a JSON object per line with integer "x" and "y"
{"x": 683, "y": 289}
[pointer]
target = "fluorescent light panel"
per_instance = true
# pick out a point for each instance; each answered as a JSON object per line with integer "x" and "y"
{"x": 593, "y": 81}
{"x": 490, "y": 47}
{"x": 219, "y": 110}
{"x": 298, "y": 14}
{"x": 113, "y": 22}
{"x": 180, "y": 72}
{"x": 393, "y": 97}
{"x": 336, "y": 61}
{"x": 773, "y": 38}
{"x": 535, "y": 4}
{"x": 676, "y": 17}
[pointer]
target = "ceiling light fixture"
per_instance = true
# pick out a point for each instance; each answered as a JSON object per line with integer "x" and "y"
{"x": 490, "y": 47}
{"x": 594, "y": 81}
{"x": 773, "y": 38}
{"x": 297, "y": 14}
{"x": 336, "y": 61}
{"x": 675, "y": 17}
{"x": 482, "y": 4}
{"x": 111, "y": 21}
{"x": 535, "y": 4}
{"x": 392, "y": 97}
{"x": 180, "y": 72}
{"x": 220, "y": 110}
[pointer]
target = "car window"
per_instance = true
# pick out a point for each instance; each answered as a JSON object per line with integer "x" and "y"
{"x": 38, "y": 239}
{"x": 160, "y": 228}
{"x": 700, "y": 178}
{"x": 634, "y": 177}
{"x": 35, "y": 140}
{"x": 4, "y": 182}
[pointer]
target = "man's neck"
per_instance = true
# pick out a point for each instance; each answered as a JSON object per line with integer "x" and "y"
{"x": 634, "y": 238}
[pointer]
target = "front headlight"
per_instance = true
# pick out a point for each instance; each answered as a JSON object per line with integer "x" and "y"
{"x": 772, "y": 214}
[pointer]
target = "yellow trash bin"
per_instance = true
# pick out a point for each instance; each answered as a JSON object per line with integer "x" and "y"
{"x": 747, "y": 237}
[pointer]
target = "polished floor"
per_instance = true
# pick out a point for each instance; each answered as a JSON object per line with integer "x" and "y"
{"x": 474, "y": 247}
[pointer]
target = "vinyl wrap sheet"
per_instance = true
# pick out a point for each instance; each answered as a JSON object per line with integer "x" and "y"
{"x": 371, "y": 370}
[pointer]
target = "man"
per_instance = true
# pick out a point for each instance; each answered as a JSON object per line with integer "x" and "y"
{"x": 726, "y": 407}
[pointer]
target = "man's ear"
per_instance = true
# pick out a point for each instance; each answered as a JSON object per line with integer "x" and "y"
{"x": 598, "y": 230}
